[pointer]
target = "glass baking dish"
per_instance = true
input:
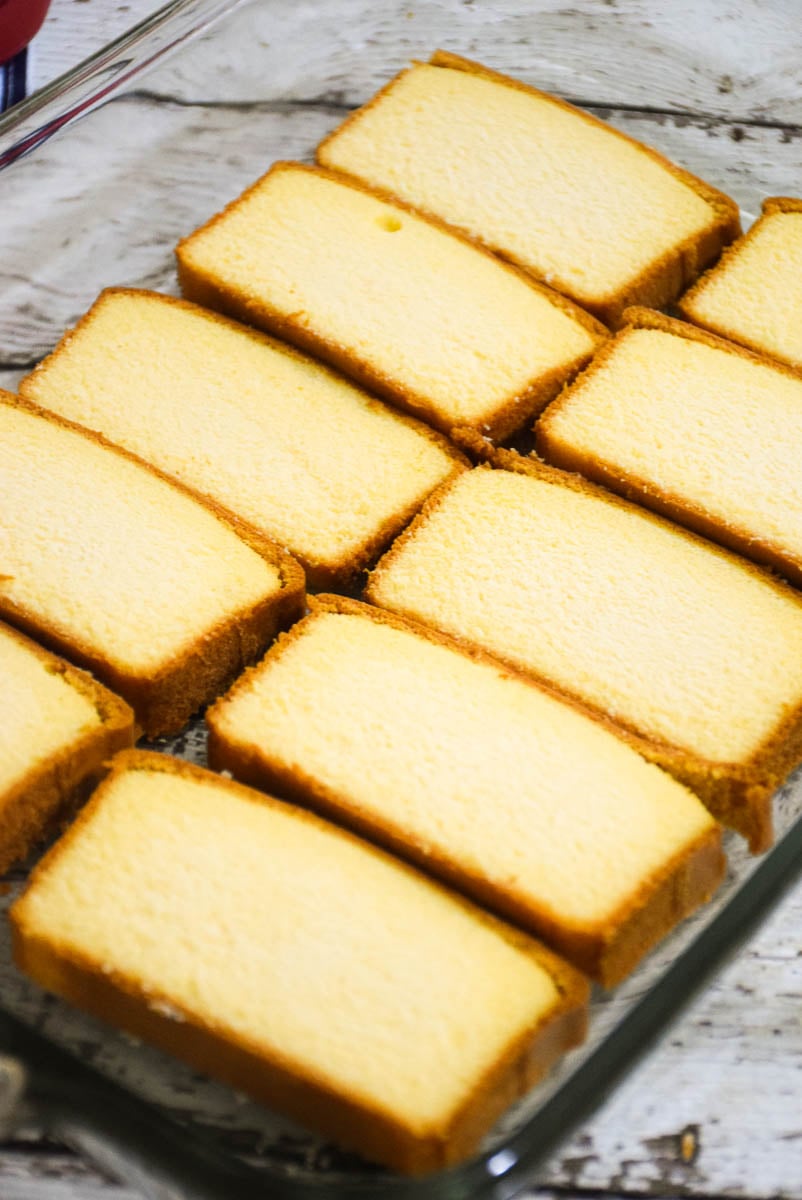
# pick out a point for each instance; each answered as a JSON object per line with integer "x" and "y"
{"x": 103, "y": 203}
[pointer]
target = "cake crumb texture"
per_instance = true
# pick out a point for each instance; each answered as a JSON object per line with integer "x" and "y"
{"x": 695, "y": 427}
{"x": 595, "y": 214}
{"x": 272, "y": 436}
{"x": 677, "y": 641}
{"x": 475, "y": 773}
{"x": 59, "y": 726}
{"x": 265, "y": 973}
{"x": 421, "y": 316}
{"x": 754, "y": 294}
{"x": 127, "y": 574}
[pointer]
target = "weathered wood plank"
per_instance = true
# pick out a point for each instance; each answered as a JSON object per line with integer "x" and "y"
{"x": 74, "y": 29}
{"x": 737, "y": 59}
{"x": 50, "y": 1175}
{"x": 152, "y": 171}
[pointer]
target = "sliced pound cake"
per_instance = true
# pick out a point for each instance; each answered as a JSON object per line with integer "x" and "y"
{"x": 127, "y": 574}
{"x": 699, "y": 429}
{"x": 694, "y": 652}
{"x": 592, "y": 212}
{"x": 59, "y": 728}
{"x": 295, "y": 961}
{"x": 754, "y": 294}
{"x": 270, "y": 436}
{"x": 502, "y": 788}
{"x": 414, "y": 312}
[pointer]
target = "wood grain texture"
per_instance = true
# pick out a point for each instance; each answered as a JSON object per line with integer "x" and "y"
{"x": 717, "y": 1109}
{"x": 735, "y": 59}
{"x": 77, "y": 28}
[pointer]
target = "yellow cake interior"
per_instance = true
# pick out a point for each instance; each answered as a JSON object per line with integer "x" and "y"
{"x": 273, "y": 437}
{"x": 755, "y": 296}
{"x": 658, "y": 630}
{"x": 42, "y": 712}
{"x": 715, "y": 428}
{"x": 467, "y": 761}
{"x": 429, "y": 312}
{"x": 107, "y": 554}
{"x": 313, "y": 949}
{"x": 583, "y": 209}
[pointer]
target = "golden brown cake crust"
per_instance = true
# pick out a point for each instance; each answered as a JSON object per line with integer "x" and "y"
{"x": 33, "y": 808}
{"x": 644, "y": 491}
{"x": 122, "y": 1001}
{"x": 164, "y": 700}
{"x": 686, "y": 305}
{"x": 606, "y": 953}
{"x": 662, "y": 280}
{"x": 506, "y": 419}
{"x": 737, "y": 794}
{"x": 341, "y": 574}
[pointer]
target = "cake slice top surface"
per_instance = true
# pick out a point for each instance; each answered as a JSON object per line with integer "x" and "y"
{"x": 317, "y": 950}
{"x": 708, "y": 424}
{"x": 660, "y": 630}
{"x": 109, "y": 556}
{"x": 466, "y": 758}
{"x": 42, "y": 712}
{"x": 271, "y": 435}
{"x": 558, "y": 193}
{"x": 430, "y": 312}
{"x": 755, "y": 294}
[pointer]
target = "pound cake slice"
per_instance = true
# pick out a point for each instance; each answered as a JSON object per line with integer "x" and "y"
{"x": 59, "y": 728}
{"x": 502, "y": 788}
{"x": 127, "y": 574}
{"x": 592, "y": 212}
{"x": 409, "y": 309}
{"x": 270, "y": 436}
{"x": 754, "y": 294}
{"x": 296, "y": 962}
{"x": 692, "y": 651}
{"x": 701, "y": 430}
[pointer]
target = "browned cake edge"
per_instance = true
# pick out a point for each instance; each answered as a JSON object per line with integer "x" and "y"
{"x": 506, "y": 417}
{"x": 32, "y": 809}
{"x": 320, "y": 573}
{"x": 558, "y": 451}
{"x": 163, "y": 700}
{"x": 122, "y": 1001}
{"x": 663, "y": 279}
{"x": 737, "y": 793}
{"x": 606, "y": 950}
{"x": 686, "y": 305}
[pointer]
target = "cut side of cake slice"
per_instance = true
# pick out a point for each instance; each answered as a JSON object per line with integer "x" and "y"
{"x": 502, "y": 788}
{"x": 592, "y": 212}
{"x": 128, "y": 575}
{"x": 296, "y": 962}
{"x": 59, "y": 728}
{"x": 754, "y": 294}
{"x": 271, "y": 437}
{"x": 411, "y": 310}
{"x": 698, "y": 429}
{"x": 692, "y": 651}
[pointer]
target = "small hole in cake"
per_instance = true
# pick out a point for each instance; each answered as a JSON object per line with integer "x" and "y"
{"x": 390, "y": 224}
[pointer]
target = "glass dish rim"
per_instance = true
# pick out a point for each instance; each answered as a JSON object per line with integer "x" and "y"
{"x": 90, "y": 83}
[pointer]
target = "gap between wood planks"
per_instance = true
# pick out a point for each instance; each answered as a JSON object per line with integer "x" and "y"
{"x": 332, "y": 102}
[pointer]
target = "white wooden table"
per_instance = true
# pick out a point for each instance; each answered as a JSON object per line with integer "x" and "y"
{"x": 717, "y": 1109}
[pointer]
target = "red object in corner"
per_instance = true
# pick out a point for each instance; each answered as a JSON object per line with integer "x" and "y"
{"x": 19, "y": 21}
